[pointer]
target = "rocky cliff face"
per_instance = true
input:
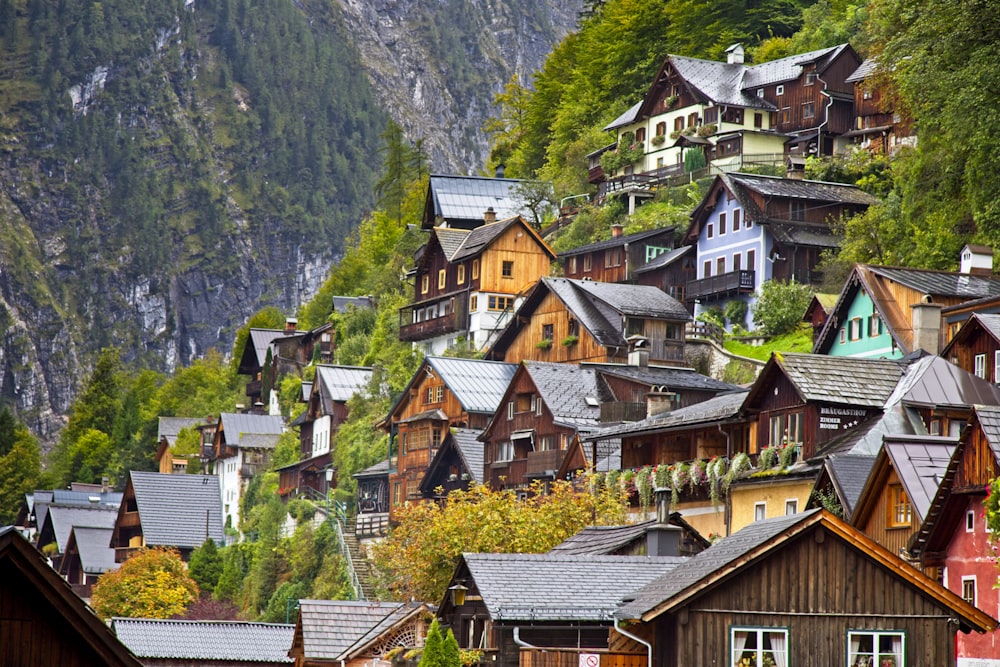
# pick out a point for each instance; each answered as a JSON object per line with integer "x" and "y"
{"x": 76, "y": 272}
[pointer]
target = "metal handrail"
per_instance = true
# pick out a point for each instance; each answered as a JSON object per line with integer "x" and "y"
{"x": 336, "y": 514}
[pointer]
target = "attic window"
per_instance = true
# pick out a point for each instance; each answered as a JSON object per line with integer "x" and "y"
{"x": 900, "y": 510}
{"x": 507, "y": 270}
{"x": 810, "y": 79}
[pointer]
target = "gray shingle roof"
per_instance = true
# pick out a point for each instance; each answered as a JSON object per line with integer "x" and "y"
{"x": 177, "y": 510}
{"x": 864, "y": 70}
{"x": 791, "y": 188}
{"x": 235, "y": 424}
{"x": 672, "y": 377}
{"x": 261, "y": 339}
{"x": 223, "y": 641}
{"x": 920, "y": 463}
{"x": 601, "y": 540}
{"x": 786, "y": 69}
{"x": 614, "y": 242}
{"x": 720, "y": 82}
{"x": 64, "y": 517}
{"x": 941, "y": 283}
{"x": 627, "y": 118}
{"x": 565, "y": 389}
{"x": 559, "y": 587}
{"x": 481, "y": 237}
{"x": 708, "y": 562}
{"x": 849, "y": 472}
{"x": 468, "y": 197}
{"x": 665, "y": 259}
{"x": 332, "y": 628}
{"x": 845, "y": 380}
{"x": 478, "y": 385}
{"x": 989, "y": 420}
{"x": 717, "y": 408}
{"x": 989, "y": 322}
{"x": 380, "y": 468}
{"x": 94, "y": 545}
{"x": 637, "y": 300}
{"x": 450, "y": 239}
{"x": 342, "y": 382}
{"x": 471, "y": 450}
{"x": 169, "y": 427}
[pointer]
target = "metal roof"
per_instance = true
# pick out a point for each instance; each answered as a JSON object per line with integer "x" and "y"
{"x": 560, "y": 587}
{"x": 377, "y": 470}
{"x": 920, "y": 463}
{"x": 468, "y": 197}
{"x": 669, "y": 376}
{"x": 864, "y": 70}
{"x": 793, "y": 188}
{"x": 223, "y": 641}
{"x": 94, "y": 546}
{"x": 261, "y": 339}
{"x": 477, "y": 384}
{"x": 235, "y": 424}
{"x": 64, "y": 517}
{"x": 989, "y": 420}
{"x": 342, "y": 382}
{"x": 332, "y": 628}
{"x": 627, "y": 118}
{"x": 178, "y": 510}
{"x": 665, "y": 259}
{"x": 939, "y": 383}
{"x": 941, "y": 283}
{"x": 616, "y": 241}
{"x": 169, "y": 427}
{"x": 787, "y": 69}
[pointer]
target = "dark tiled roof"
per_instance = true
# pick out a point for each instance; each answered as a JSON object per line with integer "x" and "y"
{"x": 331, "y": 628}
{"x": 601, "y": 540}
{"x": 481, "y": 237}
{"x": 672, "y": 377}
{"x": 471, "y": 450}
{"x": 64, "y": 517}
{"x": 635, "y": 300}
{"x": 478, "y": 385}
{"x": 708, "y": 562}
{"x": 572, "y": 393}
{"x": 616, "y": 241}
{"x": 342, "y": 382}
{"x": 450, "y": 239}
{"x": 717, "y": 408}
{"x": 223, "y": 641}
{"x": 989, "y": 419}
{"x": 989, "y": 322}
{"x": 603, "y": 323}
{"x": 846, "y": 380}
{"x": 257, "y": 441}
{"x": 94, "y": 545}
{"x": 720, "y": 82}
{"x": 559, "y": 587}
{"x": 864, "y": 70}
{"x": 627, "y": 118}
{"x": 849, "y": 472}
{"x": 920, "y": 463}
{"x": 786, "y": 69}
{"x": 380, "y": 468}
{"x": 941, "y": 283}
{"x": 340, "y": 303}
{"x": 468, "y": 197}
{"x": 177, "y": 510}
{"x": 169, "y": 427}
{"x": 792, "y": 188}
{"x": 665, "y": 259}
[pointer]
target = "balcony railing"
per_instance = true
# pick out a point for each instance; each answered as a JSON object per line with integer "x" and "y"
{"x": 452, "y": 316}
{"x": 544, "y": 462}
{"x": 622, "y": 411}
{"x": 507, "y": 473}
{"x": 734, "y": 282}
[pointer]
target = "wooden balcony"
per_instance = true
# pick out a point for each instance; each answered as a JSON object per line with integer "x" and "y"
{"x": 507, "y": 474}
{"x": 733, "y": 282}
{"x": 545, "y": 463}
{"x": 456, "y": 319}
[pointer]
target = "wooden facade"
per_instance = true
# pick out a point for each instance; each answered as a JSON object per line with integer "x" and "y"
{"x": 616, "y": 260}
{"x": 885, "y": 515}
{"x": 975, "y": 349}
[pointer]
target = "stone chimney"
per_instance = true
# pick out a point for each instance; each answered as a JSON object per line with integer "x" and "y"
{"x": 490, "y": 216}
{"x": 291, "y": 324}
{"x": 638, "y": 351}
{"x": 616, "y": 230}
{"x": 795, "y": 167}
{"x": 500, "y": 170}
{"x": 659, "y": 402}
{"x": 734, "y": 54}
{"x": 663, "y": 539}
{"x": 925, "y": 320}
{"x": 977, "y": 260}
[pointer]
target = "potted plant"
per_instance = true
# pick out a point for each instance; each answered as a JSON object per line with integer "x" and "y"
{"x": 543, "y": 344}
{"x": 707, "y": 130}
{"x": 670, "y": 100}
{"x": 570, "y": 340}
{"x": 658, "y": 140}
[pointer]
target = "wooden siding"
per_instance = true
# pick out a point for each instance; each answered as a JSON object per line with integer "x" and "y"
{"x": 978, "y": 465}
{"x": 571, "y": 658}
{"x": 836, "y": 589}
{"x": 531, "y": 262}
{"x": 977, "y": 342}
{"x": 673, "y": 278}
{"x": 877, "y": 525}
{"x": 552, "y": 311}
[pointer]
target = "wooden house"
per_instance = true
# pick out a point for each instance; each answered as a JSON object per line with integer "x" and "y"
{"x": 737, "y": 114}
{"x": 242, "y": 448}
{"x": 43, "y": 622}
{"x": 616, "y": 260}
{"x": 445, "y": 392}
{"x": 53, "y": 535}
{"x": 749, "y": 229}
{"x": 898, "y": 494}
{"x": 355, "y": 633}
{"x": 372, "y": 500}
{"x": 563, "y": 320}
{"x": 178, "y": 511}
{"x": 290, "y": 353}
{"x": 326, "y": 410}
{"x": 954, "y": 541}
{"x": 819, "y": 311}
{"x": 889, "y": 312}
{"x": 178, "y": 643}
{"x": 254, "y": 359}
{"x": 467, "y": 284}
{"x": 976, "y": 347}
{"x": 636, "y": 539}
{"x": 567, "y": 601}
{"x": 457, "y": 464}
{"x": 168, "y": 462}
{"x": 878, "y": 127}
{"x": 670, "y": 272}
{"x": 805, "y": 590}
{"x": 88, "y": 556}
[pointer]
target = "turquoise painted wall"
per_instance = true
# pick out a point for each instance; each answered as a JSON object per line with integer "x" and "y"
{"x": 867, "y": 346}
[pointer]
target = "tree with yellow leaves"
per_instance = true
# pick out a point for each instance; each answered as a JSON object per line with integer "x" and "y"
{"x": 151, "y": 584}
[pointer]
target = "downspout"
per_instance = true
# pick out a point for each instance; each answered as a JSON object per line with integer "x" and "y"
{"x": 826, "y": 118}
{"x": 520, "y": 642}
{"x": 728, "y": 517}
{"x": 648, "y": 645}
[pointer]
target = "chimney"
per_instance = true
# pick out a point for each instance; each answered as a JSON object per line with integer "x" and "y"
{"x": 663, "y": 539}
{"x": 616, "y": 230}
{"x": 795, "y": 167}
{"x": 500, "y": 169}
{"x": 490, "y": 216}
{"x": 291, "y": 324}
{"x": 638, "y": 351}
{"x": 925, "y": 320}
{"x": 105, "y": 484}
{"x": 734, "y": 54}
{"x": 977, "y": 260}
{"x": 659, "y": 402}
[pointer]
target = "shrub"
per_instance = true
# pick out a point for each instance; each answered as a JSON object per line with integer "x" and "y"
{"x": 780, "y": 307}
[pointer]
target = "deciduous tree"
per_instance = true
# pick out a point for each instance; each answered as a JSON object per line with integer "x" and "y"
{"x": 151, "y": 584}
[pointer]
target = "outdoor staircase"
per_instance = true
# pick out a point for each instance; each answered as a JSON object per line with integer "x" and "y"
{"x": 362, "y": 565}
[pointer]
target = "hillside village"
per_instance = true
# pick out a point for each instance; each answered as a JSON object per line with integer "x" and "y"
{"x": 830, "y": 511}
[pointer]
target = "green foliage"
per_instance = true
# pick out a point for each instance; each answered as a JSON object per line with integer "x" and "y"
{"x": 265, "y": 318}
{"x": 780, "y": 306}
{"x": 151, "y": 584}
{"x": 205, "y": 566}
{"x": 800, "y": 340}
{"x": 694, "y": 159}
{"x": 236, "y": 562}
{"x": 280, "y": 607}
{"x": 433, "y": 653}
{"x": 20, "y": 465}
{"x": 735, "y": 312}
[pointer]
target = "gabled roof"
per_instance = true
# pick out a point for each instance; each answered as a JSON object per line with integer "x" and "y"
{"x": 61, "y": 519}
{"x": 208, "y": 641}
{"x": 571, "y": 393}
{"x": 477, "y": 384}
{"x": 989, "y": 420}
{"x": 990, "y": 323}
{"x": 462, "y": 200}
{"x": 844, "y": 380}
{"x": 920, "y": 463}
{"x": 848, "y": 474}
{"x": 608, "y": 540}
{"x": 178, "y": 510}
{"x": 789, "y": 68}
{"x": 169, "y": 427}
{"x": 719, "y": 409}
{"x": 234, "y": 425}
{"x": 617, "y": 241}
{"x": 934, "y": 382}
{"x": 339, "y": 629}
{"x": 378, "y": 470}
{"x": 558, "y": 587}
{"x": 339, "y": 383}
{"x": 93, "y": 546}
{"x": 255, "y": 351}
{"x": 738, "y": 553}
{"x": 941, "y": 283}
{"x": 42, "y": 498}
{"x": 718, "y": 82}
{"x": 671, "y": 377}
{"x": 665, "y": 259}
{"x": 465, "y": 444}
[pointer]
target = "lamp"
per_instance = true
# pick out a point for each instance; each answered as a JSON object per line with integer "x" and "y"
{"x": 457, "y": 594}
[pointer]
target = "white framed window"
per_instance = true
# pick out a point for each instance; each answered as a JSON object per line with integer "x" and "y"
{"x": 874, "y": 325}
{"x": 779, "y": 90}
{"x": 996, "y": 365}
{"x": 791, "y": 506}
{"x": 855, "y": 325}
{"x": 758, "y": 646}
{"x": 505, "y": 451}
{"x": 980, "y": 366}
{"x": 867, "y": 648}
{"x": 970, "y": 521}
{"x": 760, "y": 92}
{"x": 969, "y": 589}
{"x": 759, "y": 511}
{"x": 538, "y": 406}
{"x": 510, "y": 410}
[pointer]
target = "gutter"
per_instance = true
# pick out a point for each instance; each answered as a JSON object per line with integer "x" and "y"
{"x": 626, "y": 633}
{"x": 826, "y": 117}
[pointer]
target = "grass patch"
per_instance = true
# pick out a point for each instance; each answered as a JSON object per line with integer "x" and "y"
{"x": 797, "y": 341}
